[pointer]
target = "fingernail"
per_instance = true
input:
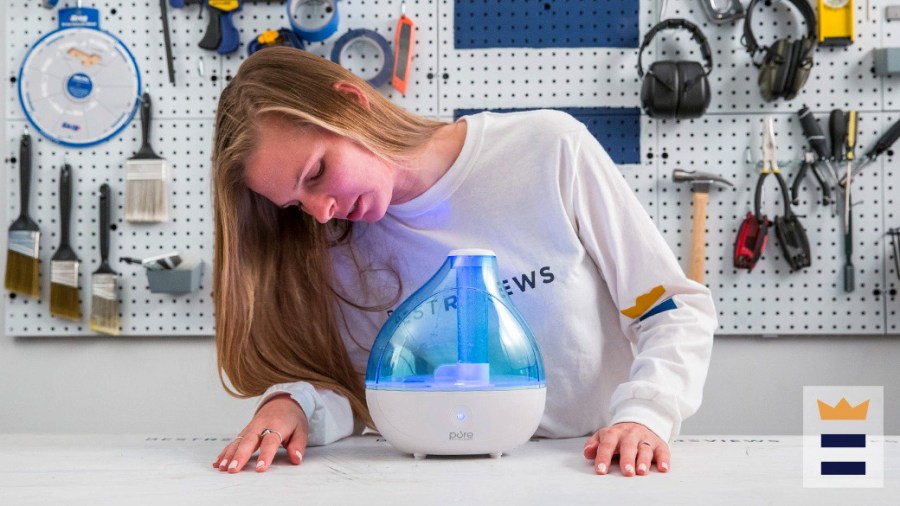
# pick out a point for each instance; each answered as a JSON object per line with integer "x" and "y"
{"x": 664, "y": 466}
{"x": 232, "y": 465}
{"x": 642, "y": 468}
{"x": 299, "y": 456}
{"x": 260, "y": 464}
{"x": 601, "y": 468}
{"x": 629, "y": 468}
{"x": 223, "y": 463}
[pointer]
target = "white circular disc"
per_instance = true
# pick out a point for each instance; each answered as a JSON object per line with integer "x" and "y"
{"x": 79, "y": 86}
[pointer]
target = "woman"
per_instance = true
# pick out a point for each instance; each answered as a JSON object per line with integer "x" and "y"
{"x": 332, "y": 205}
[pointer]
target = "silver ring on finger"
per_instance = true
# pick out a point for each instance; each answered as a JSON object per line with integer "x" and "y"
{"x": 235, "y": 440}
{"x": 266, "y": 432}
{"x": 646, "y": 443}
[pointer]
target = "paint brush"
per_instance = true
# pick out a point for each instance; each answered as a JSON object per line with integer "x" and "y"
{"x": 22, "y": 258}
{"x": 64, "y": 301}
{"x": 146, "y": 195}
{"x": 104, "y": 281}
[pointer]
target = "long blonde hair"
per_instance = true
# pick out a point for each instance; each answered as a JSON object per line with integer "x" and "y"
{"x": 274, "y": 293}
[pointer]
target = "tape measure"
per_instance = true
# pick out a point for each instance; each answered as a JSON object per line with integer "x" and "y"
{"x": 836, "y": 23}
{"x": 79, "y": 85}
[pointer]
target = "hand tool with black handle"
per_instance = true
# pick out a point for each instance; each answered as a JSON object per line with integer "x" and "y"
{"x": 104, "y": 281}
{"x": 817, "y": 139}
{"x": 849, "y": 284}
{"x": 883, "y": 144}
{"x": 164, "y": 11}
{"x": 852, "y": 123}
{"x": 64, "y": 299}
{"x": 809, "y": 165}
{"x": 23, "y": 241}
{"x": 837, "y": 125}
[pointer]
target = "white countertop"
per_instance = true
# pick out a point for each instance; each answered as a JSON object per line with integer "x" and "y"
{"x": 129, "y": 470}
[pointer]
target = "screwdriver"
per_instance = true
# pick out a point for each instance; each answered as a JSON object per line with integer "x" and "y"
{"x": 837, "y": 124}
{"x": 881, "y": 145}
{"x": 848, "y": 222}
{"x": 816, "y": 138}
{"x": 851, "y": 144}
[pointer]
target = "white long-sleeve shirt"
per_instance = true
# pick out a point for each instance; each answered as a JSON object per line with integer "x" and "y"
{"x": 575, "y": 248}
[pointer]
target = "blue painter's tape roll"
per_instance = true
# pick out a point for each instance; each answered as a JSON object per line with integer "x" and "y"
{"x": 374, "y": 38}
{"x": 313, "y": 34}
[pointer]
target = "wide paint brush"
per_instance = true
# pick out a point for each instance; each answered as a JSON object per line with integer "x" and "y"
{"x": 22, "y": 258}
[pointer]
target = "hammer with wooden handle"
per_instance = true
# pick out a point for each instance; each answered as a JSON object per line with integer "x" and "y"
{"x": 700, "y": 184}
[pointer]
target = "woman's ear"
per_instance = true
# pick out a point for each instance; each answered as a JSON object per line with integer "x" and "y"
{"x": 352, "y": 91}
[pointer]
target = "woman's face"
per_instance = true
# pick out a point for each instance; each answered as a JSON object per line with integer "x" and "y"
{"x": 326, "y": 175}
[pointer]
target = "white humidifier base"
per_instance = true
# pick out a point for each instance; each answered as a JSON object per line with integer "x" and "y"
{"x": 473, "y": 422}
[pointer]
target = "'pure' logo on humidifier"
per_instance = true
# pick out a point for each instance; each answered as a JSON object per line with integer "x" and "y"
{"x": 461, "y": 436}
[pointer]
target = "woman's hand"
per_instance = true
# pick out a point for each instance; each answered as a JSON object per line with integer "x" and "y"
{"x": 285, "y": 419}
{"x": 636, "y": 445}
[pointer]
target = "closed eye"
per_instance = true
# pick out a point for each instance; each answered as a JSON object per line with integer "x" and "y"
{"x": 319, "y": 172}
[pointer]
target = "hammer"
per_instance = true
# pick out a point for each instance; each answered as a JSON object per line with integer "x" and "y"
{"x": 700, "y": 184}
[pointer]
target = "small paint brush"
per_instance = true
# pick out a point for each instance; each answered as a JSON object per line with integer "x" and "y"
{"x": 22, "y": 257}
{"x": 64, "y": 301}
{"x": 104, "y": 281}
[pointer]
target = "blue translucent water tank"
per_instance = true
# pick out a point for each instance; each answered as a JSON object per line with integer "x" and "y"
{"x": 459, "y": 332}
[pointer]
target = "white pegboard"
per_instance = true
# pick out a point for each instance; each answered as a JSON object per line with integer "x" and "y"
{"x": 443, "y": 79}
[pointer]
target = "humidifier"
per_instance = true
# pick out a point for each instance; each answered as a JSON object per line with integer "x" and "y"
{"x": 455, "y": 370}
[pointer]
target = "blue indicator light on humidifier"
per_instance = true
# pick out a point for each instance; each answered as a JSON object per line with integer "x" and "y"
{"x": 476, "y": 351}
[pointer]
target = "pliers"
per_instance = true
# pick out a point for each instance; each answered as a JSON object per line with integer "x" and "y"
{"x": 809, "y": 163}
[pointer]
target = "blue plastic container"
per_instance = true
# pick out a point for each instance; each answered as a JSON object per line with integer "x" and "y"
{"x": 455, "y": 369}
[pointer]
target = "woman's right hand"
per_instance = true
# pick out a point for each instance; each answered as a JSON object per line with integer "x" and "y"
{"x": 285, "y": 418}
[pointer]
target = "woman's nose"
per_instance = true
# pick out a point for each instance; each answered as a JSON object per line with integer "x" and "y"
{"x": 320, "y": 208}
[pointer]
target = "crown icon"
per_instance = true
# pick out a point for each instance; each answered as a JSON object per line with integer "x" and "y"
{"x": 843, "y": 411}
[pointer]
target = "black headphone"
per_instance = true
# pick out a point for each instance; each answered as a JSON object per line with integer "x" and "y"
{"x": 676, "y": 89}
{"x": 786, "y": 65}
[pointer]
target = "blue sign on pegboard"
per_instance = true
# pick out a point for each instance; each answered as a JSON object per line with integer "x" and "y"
{"x": 481, "y": 24}
{"x": 617, "y": 129}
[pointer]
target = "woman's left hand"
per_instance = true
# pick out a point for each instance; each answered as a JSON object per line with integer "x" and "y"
{"x": 636, "y": 445}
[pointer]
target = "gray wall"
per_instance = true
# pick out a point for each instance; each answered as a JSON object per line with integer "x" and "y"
{"x": 168, "y": 386}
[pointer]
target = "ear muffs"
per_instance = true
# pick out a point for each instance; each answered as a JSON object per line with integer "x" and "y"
{"x": 802, "y": 66}
{"x": 660, "y": 90}
{"x": 784, "y": 72}
{"x": 695, "y": 94}
{"x": 786, "y": 65}
{"x": 790, "y": 70}
{"x": 676, "y": 89}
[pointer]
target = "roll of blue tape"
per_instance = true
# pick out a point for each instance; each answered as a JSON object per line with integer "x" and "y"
{"x": 313, "y": 34}
{"x": 373, "y": 38}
